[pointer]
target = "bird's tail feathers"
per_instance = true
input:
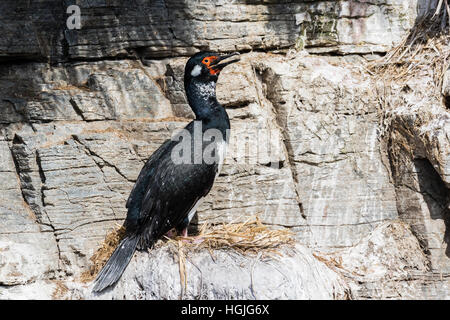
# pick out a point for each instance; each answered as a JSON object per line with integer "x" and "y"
{"x": 113, "y": 269}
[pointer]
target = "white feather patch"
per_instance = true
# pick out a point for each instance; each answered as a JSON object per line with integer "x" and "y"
{"x": 206, "y": 90}
{"x": 194, "y": 209}
{"x": 196, "y": 71}
{"x": 222, "y": 150}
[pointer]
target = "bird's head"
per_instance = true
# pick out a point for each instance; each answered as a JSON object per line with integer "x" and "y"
{"x": 206, "y": 66}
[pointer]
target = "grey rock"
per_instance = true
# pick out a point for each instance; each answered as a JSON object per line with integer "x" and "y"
{"x": 296, "y": 274}
{"x": 332, "y": 140}
{"x": 177, "y": 27}
{"x": 38, "y": 290}
{"x": 402, "y": 272}
{"x": 80, "y": 91}
{"x": 326, "y": 177}
{"x": 420, "y": 154}
{"x": 28, "y": 251}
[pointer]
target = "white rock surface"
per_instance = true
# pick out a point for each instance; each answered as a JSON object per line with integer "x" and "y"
{"x": 225, "y": 274}
{"x": 390, "y": 264}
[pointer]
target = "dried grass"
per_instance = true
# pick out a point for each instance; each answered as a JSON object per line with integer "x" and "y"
{"x": 60, "y": 290}
{"x": 249, "y": 237}
{"x": 425, "y": 49}
{"x": 101, "y": 256}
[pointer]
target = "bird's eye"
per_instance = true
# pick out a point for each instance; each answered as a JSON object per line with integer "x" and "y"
{"x": 206, "y": 60}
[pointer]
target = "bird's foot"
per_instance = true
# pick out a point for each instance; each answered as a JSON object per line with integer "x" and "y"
{"x": 195, "y": 240}
{"x": 172, "y": 234}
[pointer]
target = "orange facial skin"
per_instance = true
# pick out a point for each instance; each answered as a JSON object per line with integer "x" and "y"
{"x": 207, "y": 61}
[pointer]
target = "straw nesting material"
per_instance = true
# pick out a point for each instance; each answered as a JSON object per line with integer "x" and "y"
{"x": 248, "y": 237}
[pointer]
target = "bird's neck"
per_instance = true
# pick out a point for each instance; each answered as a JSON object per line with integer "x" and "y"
{"x": 202, "y": 100}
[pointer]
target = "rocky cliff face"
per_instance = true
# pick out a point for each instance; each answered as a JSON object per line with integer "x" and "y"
{"x": 363, "y": 181}
{"x": 164, "y": 28}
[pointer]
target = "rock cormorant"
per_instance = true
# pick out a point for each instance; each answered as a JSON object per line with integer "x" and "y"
{"x": 176, "y": 176}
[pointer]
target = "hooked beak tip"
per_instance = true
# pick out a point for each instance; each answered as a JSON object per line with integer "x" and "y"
{"x": 218, "y": 65}
{"x": 234, "y": 54}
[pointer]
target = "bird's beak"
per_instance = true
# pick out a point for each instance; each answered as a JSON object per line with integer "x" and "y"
{"x": 219, "y": 66}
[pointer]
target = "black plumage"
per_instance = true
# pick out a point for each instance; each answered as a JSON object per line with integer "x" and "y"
{"x": 166, "y": 192}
